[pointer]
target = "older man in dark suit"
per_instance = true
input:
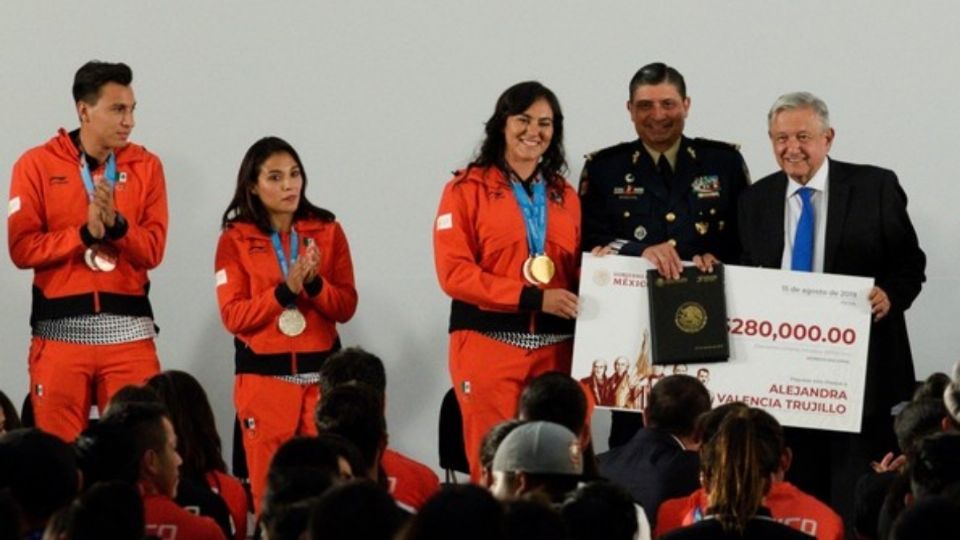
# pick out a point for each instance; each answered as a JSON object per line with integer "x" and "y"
{"x": 822, "y": 215}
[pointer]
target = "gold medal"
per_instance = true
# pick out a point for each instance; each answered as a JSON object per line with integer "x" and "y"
{"x": 542, "y": 269}
{"x": 291, "y": 322}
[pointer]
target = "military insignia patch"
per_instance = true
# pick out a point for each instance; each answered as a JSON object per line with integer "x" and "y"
{"x": 706, "y": 186}
{"x": 628, "y": 190}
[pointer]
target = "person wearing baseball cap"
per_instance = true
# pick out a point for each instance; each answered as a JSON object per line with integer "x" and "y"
{"x": 537, "y": 460}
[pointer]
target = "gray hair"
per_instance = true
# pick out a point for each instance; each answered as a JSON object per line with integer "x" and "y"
{"x": 951, "y": 394}
{"x": 800, "y": 100}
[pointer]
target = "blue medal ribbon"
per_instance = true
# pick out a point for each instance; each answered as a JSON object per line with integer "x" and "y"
{"x": 534, "y": 213}
{"x": 109, "y": 173}
{"x": 281, "y": 255}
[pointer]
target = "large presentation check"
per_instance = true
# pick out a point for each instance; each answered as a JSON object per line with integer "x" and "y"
{"x": 798, "y": 342}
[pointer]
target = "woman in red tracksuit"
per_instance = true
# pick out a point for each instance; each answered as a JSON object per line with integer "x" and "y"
{"x": 284, "y": 279}
{"x": 506, "y": 240}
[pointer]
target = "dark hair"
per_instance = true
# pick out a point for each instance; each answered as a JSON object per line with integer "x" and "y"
{"x": 601, "y": 511}
{"x": 491, "y": 441}
{"x": 932, "y": 517}
{"x": 549, "y": 488}
{"x": 918, "y": 419}
{"x": 675, "y": 403}
{"x": 197, "y": 440}
{"x": 733, "y": 471}
{"x": 532, "y": 520}
{"x": 353, "y": 365}
{"x": 657, "y": 73}
{"x": 93, "y": 75}
{"x": 708, "y": 423}
{"x": 934, "y": 464}
{"x": 303, "y": 453}
{"x": 40, "y": 471}
{"x": 465, "y": 512}
{"x": 554, "y": 397}
{"x": 106, "y": 451}
{"x": 143, "y": 422}
{"x": 515, "y": 100}
{"x": 290, "y": 495}
{"x": 359, "y": 509}
{"x": 247, "y": 207}
{"x": 12, "y": 419}
{"x": 345, "y": 449}
{"x": 9, "y": 516}
{"x": 132, "y": 393}
{"x": 108, "y": 510}
{"x": 356, "y": 413}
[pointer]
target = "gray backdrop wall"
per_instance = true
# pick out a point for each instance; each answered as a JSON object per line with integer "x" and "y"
{"x": 383, "y": 100}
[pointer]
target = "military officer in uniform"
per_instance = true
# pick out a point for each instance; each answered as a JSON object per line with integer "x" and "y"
{"x": 663, "y": 196}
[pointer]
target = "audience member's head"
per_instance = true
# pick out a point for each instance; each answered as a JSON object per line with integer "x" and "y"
{"x": 488, "y": 448}
{"x": 708, "y": 423}
{"x": 106, "y": 511}
{"x": 9, "y": 419}
{"x": 106, "y": 451}
{"x": 539, "y": 459}
{"x": 554, "y": 397}
{"x": 349, "y": 459}
{"x": 932, "y": 387}
{"x": 132, "y": 393}
{"x": 918, "y": 419}
{"x": 532, "y": 520}
{"x": 40, "y": 473}
{"x": 154, "y": 444}
{"x": 353, "y": 365}
{"x": 559, "y": 398}
{"x": 356, "y": 413}
{"x": 324, "y": 454}
{"x": 733, "y": 471}
{"x": 302, "y": 470}
{"x": 675, "y": 403}
{"x": 932, "y": 517}
{"x": 600, "y": 511}
{"x": 934, "y": 464}
{"x": 358, "y": 509}
{"x": 465, "y": 512}
{"x": 197, "y": 440}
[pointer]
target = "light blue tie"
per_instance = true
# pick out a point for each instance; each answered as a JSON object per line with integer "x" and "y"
{"x": 802, "y": 258}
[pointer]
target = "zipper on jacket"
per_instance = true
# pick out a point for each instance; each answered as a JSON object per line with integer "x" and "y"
{"x": 293, "y": 363}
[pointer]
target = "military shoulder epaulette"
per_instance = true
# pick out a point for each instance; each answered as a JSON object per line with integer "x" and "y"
{"x": 711, "y": 143}
{"x": 608, "y": 151}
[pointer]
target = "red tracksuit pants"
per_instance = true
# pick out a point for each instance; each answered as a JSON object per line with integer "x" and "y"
{"x": 65, "y": 378}
{"x": 271, "y": 411}
{"x": 488, "y": 377}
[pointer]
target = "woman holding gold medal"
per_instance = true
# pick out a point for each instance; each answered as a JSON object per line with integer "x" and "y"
{"x": 284, "y": 279}
{"x": 506, "y": 250}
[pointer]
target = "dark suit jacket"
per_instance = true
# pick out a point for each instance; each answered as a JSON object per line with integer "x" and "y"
{"x": 868, "y": 234}
{"x": 653, "y": 468}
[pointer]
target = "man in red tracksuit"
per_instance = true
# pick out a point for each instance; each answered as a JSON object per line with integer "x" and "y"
{"x": 88, "y": 213}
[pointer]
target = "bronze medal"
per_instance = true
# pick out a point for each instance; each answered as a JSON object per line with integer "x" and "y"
{"x": 528, "y": 272}
{"x": 101, "y": 257}
{"x": 291, "y": 322}
{"x": 105, "y": 257}
{"x": 88, "y": 258}
{"x": 542, "y": 269}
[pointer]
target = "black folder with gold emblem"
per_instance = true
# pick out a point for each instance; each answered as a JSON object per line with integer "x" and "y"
{"x": 688, "y": 317}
